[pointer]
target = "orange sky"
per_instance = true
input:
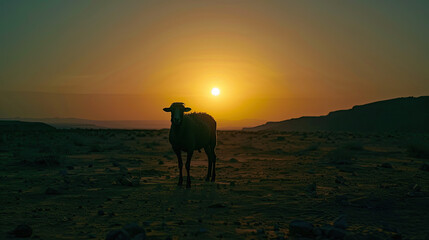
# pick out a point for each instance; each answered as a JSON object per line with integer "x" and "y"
{"x": 271, "y": 60}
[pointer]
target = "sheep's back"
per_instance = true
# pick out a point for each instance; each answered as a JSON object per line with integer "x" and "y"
{"x": 204, "y": 120}
{"x": 204, "y": 129}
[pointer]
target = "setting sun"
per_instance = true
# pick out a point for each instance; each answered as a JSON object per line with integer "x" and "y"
{"x": 215, "y": 91}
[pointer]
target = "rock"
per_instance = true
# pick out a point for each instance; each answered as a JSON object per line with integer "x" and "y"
{"x": 424, "y": 167}
{"x": 123, "y": 170}
{"x": 125, "y": 181}
{"x": 311, "y": 187}
{"x": 133, "y": 229}
{"x": 101, "y": 213}
{"x": 342, "y": 200}
{"x": 276, "y": 227}
{"x": 51, "y": 191}
{"x": 140, "y": 236}
{"x": 396, "y": 236}
{"x": 340, "y": 180}
{"x": 333, "y": 232}
{"x": 22, "y": 231}
{"x": 337, "y": 233}
{"x": 417, "y": 188}
{"x": 135, "y": 182}
{"x": 118, "y": 235}
{"x": 63, "y": 172}
{"x": 386, "y": 165}
{"x": 325, "y": 229}
{"x": 202, "y": 230}
{"x": 233, "y": 160}
{"x": 217, "y": 205}
{"x": 301, "y": 228}
{"x": 341, "y": 222}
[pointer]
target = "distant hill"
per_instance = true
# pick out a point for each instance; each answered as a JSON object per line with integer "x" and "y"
{"x": 67, "y": 123}
{"x": 410, "y": 114}
{"x": 24, "y": 126}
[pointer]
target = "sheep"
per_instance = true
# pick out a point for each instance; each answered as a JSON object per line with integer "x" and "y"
{"x": 189, "y": 132}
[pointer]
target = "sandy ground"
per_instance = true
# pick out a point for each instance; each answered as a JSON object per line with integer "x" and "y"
{"x": 81, "y": 184}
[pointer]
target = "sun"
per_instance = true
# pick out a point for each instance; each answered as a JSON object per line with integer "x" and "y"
{"x": 215, "y": 91}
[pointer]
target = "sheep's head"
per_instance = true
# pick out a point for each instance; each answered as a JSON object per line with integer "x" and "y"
{"x": 177, "y": 109}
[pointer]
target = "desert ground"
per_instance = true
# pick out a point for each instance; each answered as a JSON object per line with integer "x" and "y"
{"x": 83, "y": 184}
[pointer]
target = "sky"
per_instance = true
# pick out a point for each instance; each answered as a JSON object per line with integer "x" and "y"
{"x": 271, "y": 60}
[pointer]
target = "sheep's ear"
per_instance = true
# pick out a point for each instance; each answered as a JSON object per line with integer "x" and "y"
{"x": 167, "y": 110}
{"x": 187, "y": 109}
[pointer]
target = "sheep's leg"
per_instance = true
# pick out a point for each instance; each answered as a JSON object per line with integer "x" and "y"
{"x": 209, "y": 168}
{"x": 180, "y": 164}
{"x": 188, "y": 167}
{"x": 213, "y": 154}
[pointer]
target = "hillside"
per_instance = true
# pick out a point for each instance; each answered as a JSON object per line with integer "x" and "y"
{"x": 24, "y": 126}
{"x": 410, "y": 114}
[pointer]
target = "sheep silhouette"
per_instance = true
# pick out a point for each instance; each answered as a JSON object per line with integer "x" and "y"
{"x": 190, "y": 132}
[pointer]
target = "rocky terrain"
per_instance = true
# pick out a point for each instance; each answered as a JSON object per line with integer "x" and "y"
{"x": 119, "y": 184}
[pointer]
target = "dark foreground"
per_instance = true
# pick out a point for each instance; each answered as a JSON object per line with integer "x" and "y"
{"x": 81, "y": 184}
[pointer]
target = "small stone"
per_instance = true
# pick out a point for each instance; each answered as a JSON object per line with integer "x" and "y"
{"x": 51, "y": 191}
{"x": 396, "y": 236}
{"x": 337, "y": 233}
{"x": 311, "y": 187}
{"x": 118, "y": 235}
{"x": 340, "y": 180}
{"x": 125, "y": 181}
{"x": 217, "y": 205}
{"x": 22, "y": 231}
{"x": 417, "y": 188}
{"x": 140, "y": 236}
{"x": 134, "y": 229}
{"x": 424, "y": 167}
{"x": 276, "y": 227}
{"x": 341, "y": 222}
{"x": 123, "y": 170}
{"x": 301, "y": 228}
{"x": 135, "y": 182}
{"x": 202, "y": 230}
{"x": 386, "y": 165}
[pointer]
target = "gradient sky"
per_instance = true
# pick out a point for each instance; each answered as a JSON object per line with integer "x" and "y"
{"x": 272, "y": 60}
